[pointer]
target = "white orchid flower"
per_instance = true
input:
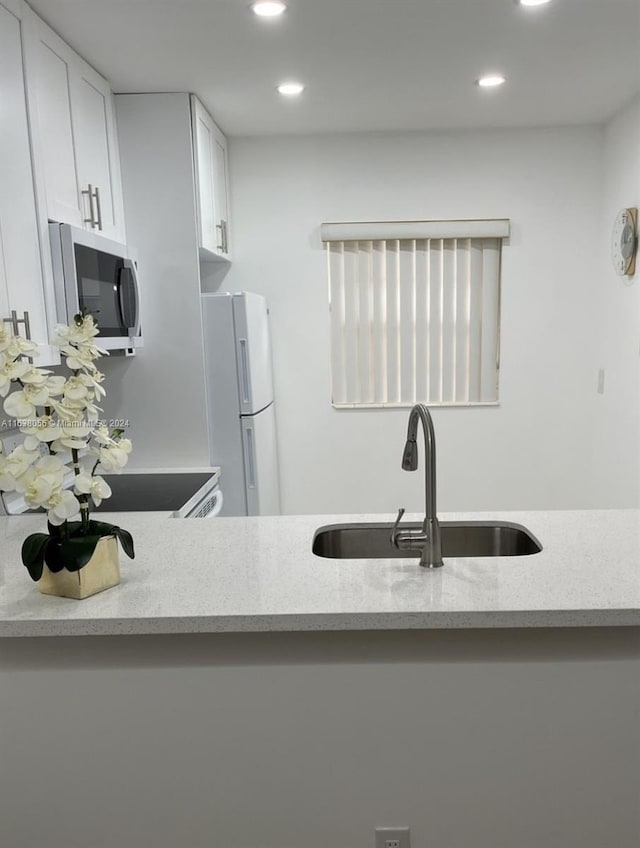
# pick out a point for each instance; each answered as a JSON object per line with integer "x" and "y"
{"x": 92, "y": 381}
{"x": 14, "y": 466}
{"x": 6, "y": 338}
{"x": 91, "y": 410}
{"x": 83, "y": 358}
{"x": 39, "y": 490}
{"x": 68, "y": 444}
{"x": 69, "y": 423}
{"x": 62, "y": 506}
{"x": 35, "y": 376}
{"x": 41, "y": 481}
{"x": 81, "y": 332}
{"x": 23, "y": 404}
{"x": 10, "y": 370}
{"x": 113, "y": 458}
{"x": 97, "y": 487}
{"x": 50, "y": 468}
{"x": 74, "y": 435}
{"x": 75, "y": 389}
{"x": 101, "y": 435}
{"x": 67, "y": 410}
{"x": 43, "y": 429}
{"x": 21, "y": 347}
{"x": 55, "y": 385}
{"x": 78, "y": 429}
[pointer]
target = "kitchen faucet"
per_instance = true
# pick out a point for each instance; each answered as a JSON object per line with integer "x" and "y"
{"x": 428, "y": 538}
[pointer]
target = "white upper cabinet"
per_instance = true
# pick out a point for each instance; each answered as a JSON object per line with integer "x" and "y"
{"x": 97, "y": 156}
{"x": 212, "y": 183}
{"x": 73, "y": 125}
{"x": 23, "y": 294}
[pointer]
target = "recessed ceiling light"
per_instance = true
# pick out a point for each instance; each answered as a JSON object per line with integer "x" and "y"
{"x": 290, "y": 89}
{"x": 490, "y": 80}
{"x": 269, "y": 8}
{"x": 533, "y": 2}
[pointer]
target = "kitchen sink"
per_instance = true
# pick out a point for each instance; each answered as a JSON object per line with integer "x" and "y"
{"x": 459, "y": 539}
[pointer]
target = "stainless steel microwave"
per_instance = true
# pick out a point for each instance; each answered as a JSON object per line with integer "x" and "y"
{"x": 100, "y": 276}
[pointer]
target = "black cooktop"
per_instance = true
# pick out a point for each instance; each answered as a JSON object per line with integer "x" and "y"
{"x": 155, "y": 492}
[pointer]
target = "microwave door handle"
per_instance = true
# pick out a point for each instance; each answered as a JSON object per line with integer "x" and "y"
{"x": 130, "y": 265}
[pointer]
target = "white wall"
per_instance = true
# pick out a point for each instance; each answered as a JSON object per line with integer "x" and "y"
{"x": 535, "y": 449}
{"x": 617, "y": 437}
{"x": 490, "y": 739}
{"x": 161, "y": 390}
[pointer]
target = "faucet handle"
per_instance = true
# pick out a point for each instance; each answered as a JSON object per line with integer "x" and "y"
{"x": 394, "y": 532}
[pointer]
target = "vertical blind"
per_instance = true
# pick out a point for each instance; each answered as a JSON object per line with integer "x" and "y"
{"x": 414, "y": 320}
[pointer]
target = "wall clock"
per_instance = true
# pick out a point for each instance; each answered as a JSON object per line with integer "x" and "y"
{"x": 624, "y": 242}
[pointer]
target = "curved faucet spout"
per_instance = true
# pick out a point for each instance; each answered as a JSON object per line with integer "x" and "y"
{"x": 429, "y": 539}
{"x": 410, "y": 456}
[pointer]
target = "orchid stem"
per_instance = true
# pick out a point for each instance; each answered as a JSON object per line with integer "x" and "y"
{"x": 84, "y": 499}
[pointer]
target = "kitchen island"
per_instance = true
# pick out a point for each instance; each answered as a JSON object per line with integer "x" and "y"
{"x": 258, "y": 695}
{"x": 260, "y": 575}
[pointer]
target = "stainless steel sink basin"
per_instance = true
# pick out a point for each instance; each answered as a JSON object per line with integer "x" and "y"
{"x": 459, "y": 539}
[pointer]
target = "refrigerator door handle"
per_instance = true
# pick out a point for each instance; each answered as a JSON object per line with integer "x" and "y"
{"x": 251, "y": 459}
{"x": 244, "y": 371}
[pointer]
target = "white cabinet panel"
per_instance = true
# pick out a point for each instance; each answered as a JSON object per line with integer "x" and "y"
{"x": 50, "y": 71}
{"x": 220, "y": 184}
{"x": 21, "y": 279}
{"x": 203, "y": 141}
{"x": 74, "y": 135}
{"x": 212, "y": 190}
{"x": 97, "y": 159}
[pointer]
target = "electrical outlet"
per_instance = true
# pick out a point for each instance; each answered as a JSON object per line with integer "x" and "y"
{"x": 392, "y": 837}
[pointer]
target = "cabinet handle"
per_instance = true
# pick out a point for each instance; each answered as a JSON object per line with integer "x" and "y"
{"x": 93, "y": 193}
{"x": 15, "y": 321}
{"x": 89, "y": 193}
{"x": 222, "y": 226}
{"x": 96, "y": 194}
{"x": 27, "y": 324}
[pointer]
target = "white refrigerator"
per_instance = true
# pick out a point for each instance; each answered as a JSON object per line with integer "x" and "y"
{"x": 240, "y": 404}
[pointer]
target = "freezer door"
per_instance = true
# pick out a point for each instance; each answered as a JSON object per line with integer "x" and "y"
{"x": 261, "y": 462}
{"x": 253, "y": 352}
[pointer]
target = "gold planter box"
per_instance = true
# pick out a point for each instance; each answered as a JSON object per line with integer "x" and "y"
{"x": 100, "y": 573}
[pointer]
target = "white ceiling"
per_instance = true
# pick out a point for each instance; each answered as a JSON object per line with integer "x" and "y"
{"x": 368, "y": 64}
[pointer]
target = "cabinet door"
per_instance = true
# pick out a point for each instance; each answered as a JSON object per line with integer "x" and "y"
{"x": 97, "y": 152}
{"x": 210, "y": 158}
{"x": 21, "y": 279}
{"x": 49, "y": 66}
{"x": 221, "y": 187}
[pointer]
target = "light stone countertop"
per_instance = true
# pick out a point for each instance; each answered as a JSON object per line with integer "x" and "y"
{"x": 259, "y": 575}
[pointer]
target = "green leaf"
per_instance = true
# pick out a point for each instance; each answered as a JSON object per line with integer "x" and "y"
{"x": 69, "y": 547}
{"x": 76, "y": 553}
{"x": 126, "y": 540}
{"x": 53, "y": 555}
{"x": 101, "y": 528}
{"x": 33, "y": 554}
{"x": 61, "y": 531}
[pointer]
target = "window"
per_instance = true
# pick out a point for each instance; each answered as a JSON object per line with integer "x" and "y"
{"x": 415, "y": 312}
